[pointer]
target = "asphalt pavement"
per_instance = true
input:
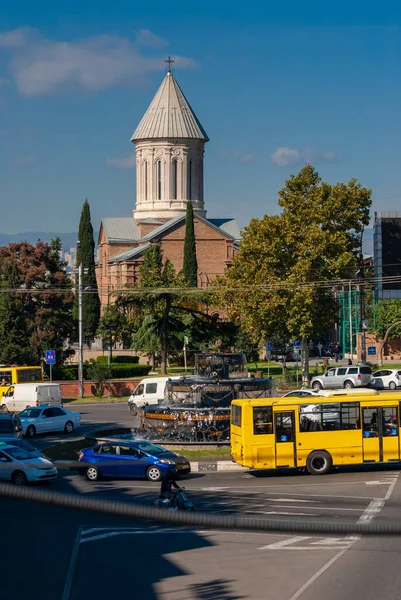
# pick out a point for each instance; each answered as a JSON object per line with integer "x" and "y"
{"x": 53, "y": 553}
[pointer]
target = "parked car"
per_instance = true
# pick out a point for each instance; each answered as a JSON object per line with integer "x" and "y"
{"x": 24, "y": 395}
{"x": 148, "y": 391}
{"x": 282, "y": 354}
{"x": 387, "y": 378}
{"x": 20, "y": 443}
{"x": 130, "y": 459}
{"x": 346, "y": 377}
{"x": 300, "y": 393}
{"x": 10, "y": 426}
{"x": 20, "y": 467}
{"x": 46, "y": 419}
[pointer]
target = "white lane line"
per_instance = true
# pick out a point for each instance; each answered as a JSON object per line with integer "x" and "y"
{"x": 289, "y": 500}
{"x": 110, "y": 534}
{"x": 72, "y": 566}
{"x": 274, "y": 512}
{"x": 288, "y": 542}
{"x": 339, "y": 554}
{"x": 321, "y": 508}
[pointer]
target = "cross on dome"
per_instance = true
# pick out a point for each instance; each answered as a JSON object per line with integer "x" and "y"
{"x": 169, "y": 61}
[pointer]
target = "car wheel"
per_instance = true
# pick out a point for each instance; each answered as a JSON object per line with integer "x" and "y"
{"x": 19, "y": 478}
{"x": 348, "y": 385}
{"x": 133, "y": 408}
{"x": 317, "y": 386}
{"x": 319, "y": 462}
{"x": 153, "y": 474}
{"x": 4, "y": 408}
{"x": 92, "y": 473}
{"x": 31, "y": 431}
{"x": 69, "y": 427}
{"x": 392, "y": 385}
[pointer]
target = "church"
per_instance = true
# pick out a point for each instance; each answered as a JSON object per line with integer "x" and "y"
{"x": 169, "y": 148}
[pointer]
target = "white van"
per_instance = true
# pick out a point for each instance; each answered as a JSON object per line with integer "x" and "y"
{"x": 148, "y": 391}
{"x": 23, "y": 395}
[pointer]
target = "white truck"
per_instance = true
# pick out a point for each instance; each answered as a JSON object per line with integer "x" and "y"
{"x": 148, "y": 391}
{"x": 24, "y": 395}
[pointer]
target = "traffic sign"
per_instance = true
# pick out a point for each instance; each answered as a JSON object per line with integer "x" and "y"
{"x": 371, "y": 350}
{"x": 297, "y": 343}
{"x": 269, "y": 345}
{"x": 50, "y": 357}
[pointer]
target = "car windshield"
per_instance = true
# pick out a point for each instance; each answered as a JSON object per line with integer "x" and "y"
{"x": 151, "y": 448}
{"x": 18, "y": 453}
{"x": 22, "y": 445}
{"x": 30, "y": 413}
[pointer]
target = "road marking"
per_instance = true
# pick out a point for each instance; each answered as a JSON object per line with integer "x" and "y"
{"x": 383, "y": 482}
{"x": 283, "y": 543}
{"x": 72, "y": 566}
{"x": 123, "y": 531}
{"x": 362, "y": 519}
{"x": 323, "y": 508}
{"x": 289, "y": 500}
{"x": 287, "y": 514}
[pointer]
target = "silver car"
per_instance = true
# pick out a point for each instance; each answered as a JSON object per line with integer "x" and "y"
{"x": 344, "y": 377}
{"x": 387, "y": 378}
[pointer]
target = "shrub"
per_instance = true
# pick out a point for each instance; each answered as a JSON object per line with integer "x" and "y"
{"x": 119, "y": 371}
{"x": 133, "y": 360}
{"x": 99, "y": 373}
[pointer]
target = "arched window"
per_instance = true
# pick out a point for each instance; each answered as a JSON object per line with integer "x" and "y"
{"x": 175, "y": 180}
{"x": 190, "y": 180}
{"x": 159, "y": 179}
{"x": 145, "y": 175}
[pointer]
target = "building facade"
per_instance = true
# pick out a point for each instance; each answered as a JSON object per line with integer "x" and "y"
{"x": 169, "y": 147}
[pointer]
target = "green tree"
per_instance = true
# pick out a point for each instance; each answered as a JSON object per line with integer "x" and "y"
{"x": 86, "y": 257}
{"x": 190, "y": 268}
{"x": 162, "y": 309}
{"x": 387, "y": 313}
{"x": 112, "y": 326}
{"x": 35, "y": 302}
{"x": 281, "y": 279}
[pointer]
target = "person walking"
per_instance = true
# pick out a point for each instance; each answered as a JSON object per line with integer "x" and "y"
{"x": 320, "y": 348}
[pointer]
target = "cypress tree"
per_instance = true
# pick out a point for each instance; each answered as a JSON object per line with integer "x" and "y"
{"x": 86, "y": 257}
{"x": 190, "y": 268}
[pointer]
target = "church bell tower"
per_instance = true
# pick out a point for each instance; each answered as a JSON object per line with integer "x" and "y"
{"x": 169, "y": 146}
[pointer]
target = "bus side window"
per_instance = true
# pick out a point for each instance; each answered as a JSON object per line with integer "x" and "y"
{"x": 262, "y": 420}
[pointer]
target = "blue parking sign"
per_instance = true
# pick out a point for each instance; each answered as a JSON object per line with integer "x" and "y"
{"x": 269, "y": 345}
{"x": 50, "y": 357}
{"x": 371, "y": 350}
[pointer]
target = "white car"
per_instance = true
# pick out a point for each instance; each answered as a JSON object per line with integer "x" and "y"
{"x": 45, "y": 419}
{"x": 387, "y": 378}
{"x": 23, "y": 445}
{"x": 301, "y": 392}
{"x": 18, "y": 466}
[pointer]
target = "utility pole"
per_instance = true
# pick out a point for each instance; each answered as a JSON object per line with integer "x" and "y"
{"x": 80, "y": 336}
{"x": 362, "y": 315}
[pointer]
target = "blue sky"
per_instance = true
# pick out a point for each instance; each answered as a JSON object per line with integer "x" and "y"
{"x": 275, "y": 85}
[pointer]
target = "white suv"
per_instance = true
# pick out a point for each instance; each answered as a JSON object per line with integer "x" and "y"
{"x": 344, "y": 377}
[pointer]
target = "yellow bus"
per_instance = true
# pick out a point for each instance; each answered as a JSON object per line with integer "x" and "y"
{"x": 13, "y": 374}
{"x": 316, "y": 433}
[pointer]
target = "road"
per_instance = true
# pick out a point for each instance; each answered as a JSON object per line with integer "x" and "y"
{"x": 88, "y": 554}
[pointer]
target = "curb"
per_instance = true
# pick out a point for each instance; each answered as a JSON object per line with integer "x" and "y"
{"x": 218, "y": 465}
{"x": 196, "y": 467}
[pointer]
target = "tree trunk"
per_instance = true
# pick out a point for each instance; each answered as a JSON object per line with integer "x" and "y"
{"x": 385, "y": 341}
{"x": 305, "y": 361}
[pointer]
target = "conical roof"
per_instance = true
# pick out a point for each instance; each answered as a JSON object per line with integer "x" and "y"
{"x": 169, "y": 115}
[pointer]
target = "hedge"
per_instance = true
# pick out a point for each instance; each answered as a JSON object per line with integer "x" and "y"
{"x": 132, "y": 360}
{"x": 118, "y": 371}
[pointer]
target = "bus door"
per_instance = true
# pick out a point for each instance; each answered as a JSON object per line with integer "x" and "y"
{"x": 380, "y": 434}
{"x": 285, "y": 438}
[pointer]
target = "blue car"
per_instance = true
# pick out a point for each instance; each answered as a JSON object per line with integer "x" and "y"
{"x": 130, "y": 459}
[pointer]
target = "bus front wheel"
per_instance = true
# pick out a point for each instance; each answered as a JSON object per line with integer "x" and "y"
{"x": 319, "y": 462}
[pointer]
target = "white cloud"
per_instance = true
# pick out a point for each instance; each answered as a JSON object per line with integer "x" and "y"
{"x": 16, "y": 37}
{"x": 25, "y": 161}
{"x": 232, "y": 154}
{"x": 285, "y": 157}
{"x": 144, "y": 37}
{"x": 121, "y": 163}
{"x": 41, "y": 66}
